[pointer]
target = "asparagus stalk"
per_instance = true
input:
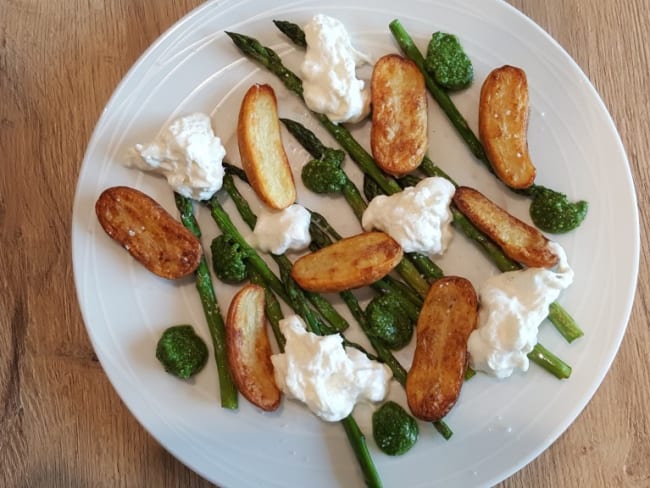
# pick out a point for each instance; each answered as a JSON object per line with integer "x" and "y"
{"x": 439, "y": 94}
{"x": 216, "y": 326}
{"x": 549, "y": 361}
{"x": 272, "y": 307}
{"x": 360, "y": 447}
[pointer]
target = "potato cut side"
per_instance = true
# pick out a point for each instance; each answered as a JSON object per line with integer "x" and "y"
{"x": 398, "y": 136}
{"x": 150, "y": 234}
{"x": 503, "y": 125}
{"x": 349, "y": 263}
{"x": 518, "y": 240}
{"x": 448, "y": 317}
{"x": 262, "y": 154}
{"x": 249, "y": 350}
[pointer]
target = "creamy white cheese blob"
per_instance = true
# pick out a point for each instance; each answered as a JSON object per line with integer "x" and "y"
{"x": 418, "y": 218}
{"x": 330, "y": 84}
{"x": 188, "y": 154}
{"x": 279, "y": 231}
{"x": 512, "y": 306}
{"x": 320, "y": 372}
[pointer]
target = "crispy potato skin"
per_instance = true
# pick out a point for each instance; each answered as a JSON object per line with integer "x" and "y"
{"x": 398, "y": 136}
{"x": 349, "y": 263}
{"x": 518, "y": 240}
{"x": 503, "y": 125}
{"x": 248, "y": 349}
{"x": 448, "y": 317}
{"x": 262, "y": 154}
{"x": 150, "y": 234}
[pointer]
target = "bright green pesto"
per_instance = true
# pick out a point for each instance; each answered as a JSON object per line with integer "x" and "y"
{"x": 181, "y": 351}
{"x": 394, "y": 430}
{"x": 389, "y": 322}
{"x": 325, "y": 175}
{"x": 447, "y": 62}
{"x": 228, "y": 259}
{"x": 552, "y": 211}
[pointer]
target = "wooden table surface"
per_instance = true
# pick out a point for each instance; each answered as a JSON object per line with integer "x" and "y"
{"x": 61, "y": 422}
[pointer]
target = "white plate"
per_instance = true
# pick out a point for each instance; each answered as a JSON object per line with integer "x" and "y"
{"x": 499, "y": 425}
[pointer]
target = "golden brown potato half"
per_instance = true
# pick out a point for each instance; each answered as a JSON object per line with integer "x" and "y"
{"x": 249, "y": 350}
{"x": 262, "y": 154}
{"x": 349, "y": 263}
{"x": 150, "y": 234}
{"x": 518, "y": 240}
{"x": 503, "y": 125}
{"x": 448, "y": 317}
{"x": 398, "y": 136}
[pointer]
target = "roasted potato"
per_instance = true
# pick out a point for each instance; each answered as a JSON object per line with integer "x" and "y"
{"x": 398, "y": 135}
{"x": 249, "y": 350}
{"x": 503, "y": 125}
{"x": 150, "y": 234}
{"x": 349, "y": 263}
{"x": 447, "y": 318}
{"x": 262, "y": 154}
{"x": 518, "y": 240}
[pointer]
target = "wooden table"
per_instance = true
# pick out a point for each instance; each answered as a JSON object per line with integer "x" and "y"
{"x": 61, "y": 422}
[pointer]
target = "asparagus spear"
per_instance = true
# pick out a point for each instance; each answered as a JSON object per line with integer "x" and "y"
{"x": 227, "y": 389}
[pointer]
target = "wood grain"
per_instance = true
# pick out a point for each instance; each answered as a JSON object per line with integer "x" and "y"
{"x": 61, "y": 423}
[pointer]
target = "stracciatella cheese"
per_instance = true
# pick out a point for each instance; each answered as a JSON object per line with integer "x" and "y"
{"x": 279, "y": 231}
{"x": 418, "y": 218}
{"x": 330, "y": 83}
{"x": 320, "y": 372}
{"x": 188, "y": 154}
{"x": 512, "y": 306}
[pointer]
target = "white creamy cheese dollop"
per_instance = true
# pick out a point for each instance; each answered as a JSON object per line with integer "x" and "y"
{"x": 279, "y": 231}
{"x": 188, "y": 154}
{"x": 418, "y": 218}
{"x": 328, "y": 378}
{"x": 330, "y": 84}
{"x": 512, "y": 306}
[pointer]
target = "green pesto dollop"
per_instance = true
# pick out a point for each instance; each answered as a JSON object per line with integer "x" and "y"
{"x": 325, "y": 175}
{"x": 393, "y": 429}
{"x": 181, "y": 351}
{"x": 228, "y": 259}
{"x": 552, "y": 211}
{"x": 388, "y": 322}
{"x": 447, "y": 62}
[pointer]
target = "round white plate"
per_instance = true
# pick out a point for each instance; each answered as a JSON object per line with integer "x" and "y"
{"x": 499, "y": 425}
